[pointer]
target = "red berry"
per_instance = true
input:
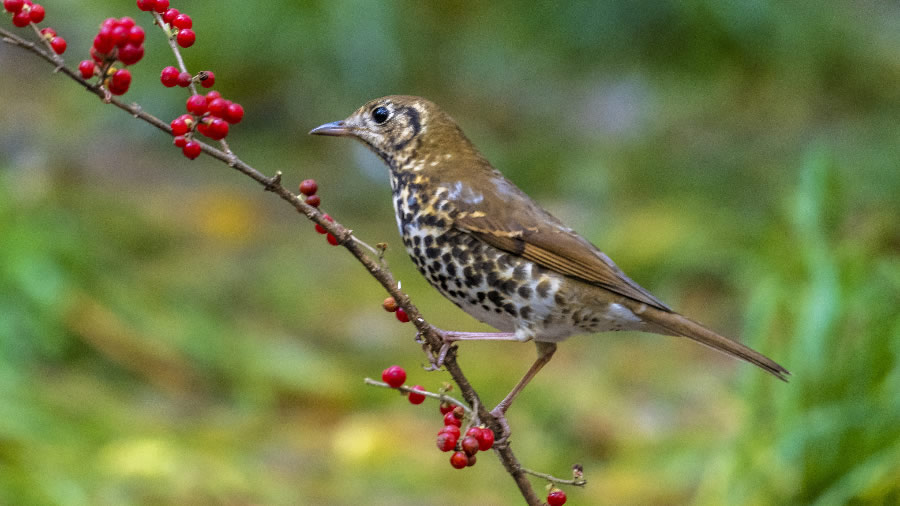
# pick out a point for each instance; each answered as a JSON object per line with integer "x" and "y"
{"x": 207, "y": 79}
{"x": 450, "y": 429}
{"x": 401, "y": 315}
{"x": 186, "y": 37}
{"x": 313, "y": 200}
{"x": 416, "y": 398}
{"x": 332, "y": 240}
{"x": 485, "y": 439}
{"x": 446, "y": 407}
{"x": 121, "y": 79}
{"x": 48, "y": 33}
{"x": 556, "y": 498}
{"x": 37, "y": 13}
{"x": 180, "y": 141}
{"x": 169, "y": 15}
{"x": 103, "y": 42}
{"x": 218, "y": 129}
{"x": 161, "y": 6}
{"x": 97, "y": 56}
{"x": 86, "y": 67}
{"x": 394, "y": 376}
{"x": 212, "y": 95}
{"x": 136, "y": 35}
{"x": 184, "y": 79}
{"x": 192, "y": 149}
{"x": 196, "y": 104}
{"x": 13, "y": 5}
{"x": 21, "y": 19}
{"x": 179, "y": 126}
{"x": 146, "y": 5}
{"x": 309, "y": 187}
{"x": 182, "y": 21}
{"x": 119, "y": 35}
{"x": 446, "y": 441}
{"x": 390, "y": 305}
{"x": 459, "y": 460}
{"x": 58, "y": 44}
{"x": 451, "y": 419}
{"x": 169, "y": 76}
{"x": 131, "y": 53}
{"x": 319, "y": 228}
{"x": 234, "y": 114}
{"x": 470, "y": 445}
{"x": 471, "y": 461}
{"x": 217, "y": 106}
{"x": 125, "y": 21}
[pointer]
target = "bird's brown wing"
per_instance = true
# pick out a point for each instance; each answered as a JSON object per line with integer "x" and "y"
{"x": 523, "y": 228}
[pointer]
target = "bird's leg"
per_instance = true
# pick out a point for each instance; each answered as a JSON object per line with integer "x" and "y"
{"x": 449, "y": 337}
{"x": 545, "y": 353}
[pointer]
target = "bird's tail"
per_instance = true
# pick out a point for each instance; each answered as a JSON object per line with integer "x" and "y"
{"x": 674, "y": 324}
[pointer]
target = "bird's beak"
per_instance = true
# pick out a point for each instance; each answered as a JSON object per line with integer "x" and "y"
{"x": 335, "y": 128}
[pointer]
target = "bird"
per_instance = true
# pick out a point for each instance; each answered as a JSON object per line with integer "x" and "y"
{"x": 496, "y": 253}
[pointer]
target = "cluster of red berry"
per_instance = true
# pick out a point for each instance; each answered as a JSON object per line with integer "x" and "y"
{"x": 390, "y": 305}
{"x": 179, "y": 22}
{"x": 208, "y": 114}
{"x": 448, "y": 438}
{"x": 308, "y": 188}
{"x": 117, "y": 40}
{"x": 25, "y": 12}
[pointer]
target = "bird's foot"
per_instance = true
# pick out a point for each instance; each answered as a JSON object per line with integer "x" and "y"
{"x": 435, "y": 361}
{"x": 449, "y": 337}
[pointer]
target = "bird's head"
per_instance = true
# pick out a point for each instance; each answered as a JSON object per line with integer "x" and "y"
{"x": 391, "y": 126}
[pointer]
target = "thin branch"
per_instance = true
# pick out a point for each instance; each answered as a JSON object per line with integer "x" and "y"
{"x": 345, "y": 238}
{"x": 578, "y": 482}
{"x": 426, "y": 393}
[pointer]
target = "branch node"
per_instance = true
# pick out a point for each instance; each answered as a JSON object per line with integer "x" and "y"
{"x": 273, "y": 182}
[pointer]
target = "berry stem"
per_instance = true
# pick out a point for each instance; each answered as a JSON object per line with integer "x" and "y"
{"x": 57, "y": 59}
{"x": 577, "y": 482}
{"x": 174, "y": 45}
{"x": 426, "y": 393}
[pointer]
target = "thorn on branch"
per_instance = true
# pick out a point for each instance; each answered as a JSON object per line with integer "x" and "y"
{"x": 273, "y": 182}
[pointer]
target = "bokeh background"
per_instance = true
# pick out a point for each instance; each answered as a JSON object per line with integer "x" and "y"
{"x": 171, "y": 334}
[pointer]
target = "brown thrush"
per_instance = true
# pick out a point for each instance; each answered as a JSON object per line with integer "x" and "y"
{"x": 486, "y": 246}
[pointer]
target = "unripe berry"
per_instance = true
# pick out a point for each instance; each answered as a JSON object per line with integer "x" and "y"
{"x": 389, "y": 305}
{"x": 394, "y": 376}
{"x": 416, "y": 398}
{"x": 459, "y": 460}
{"x": 186, "y": 38}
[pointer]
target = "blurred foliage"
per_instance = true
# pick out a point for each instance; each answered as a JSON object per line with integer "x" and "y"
{"x": 170, "y": 334}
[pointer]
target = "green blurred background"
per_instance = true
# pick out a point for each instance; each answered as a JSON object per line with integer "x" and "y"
{"x": 171, "y": 334}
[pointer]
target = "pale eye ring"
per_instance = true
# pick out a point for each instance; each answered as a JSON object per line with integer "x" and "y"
{"x": 380, "y": 114}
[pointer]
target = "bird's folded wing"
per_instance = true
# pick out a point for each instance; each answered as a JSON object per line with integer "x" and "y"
{"x": 549, "y": 244}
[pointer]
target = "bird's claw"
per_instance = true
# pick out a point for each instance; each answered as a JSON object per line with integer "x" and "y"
{"x": 435, "y": 362}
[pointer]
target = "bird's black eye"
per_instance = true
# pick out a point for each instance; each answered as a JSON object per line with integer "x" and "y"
{"x": 380, "y": 114}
